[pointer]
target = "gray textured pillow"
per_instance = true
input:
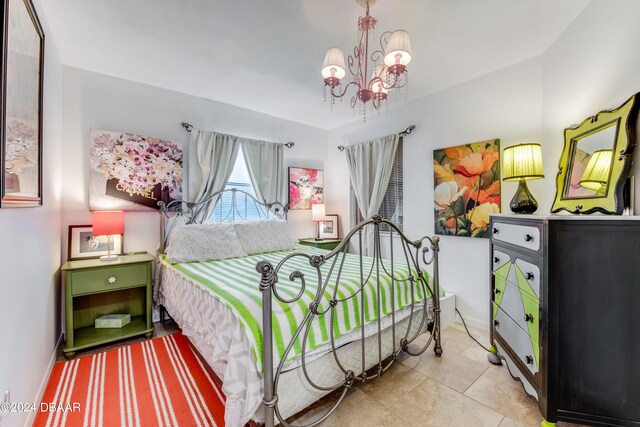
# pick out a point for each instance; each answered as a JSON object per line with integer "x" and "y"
{"x": 204, "y": 242}
{"x": 265, "y": 235}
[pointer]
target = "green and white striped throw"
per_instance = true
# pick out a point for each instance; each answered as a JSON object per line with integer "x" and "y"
{"x": 235, "y": 282}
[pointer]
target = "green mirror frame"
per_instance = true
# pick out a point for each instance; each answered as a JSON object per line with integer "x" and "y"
{"x": 612, "y": 201}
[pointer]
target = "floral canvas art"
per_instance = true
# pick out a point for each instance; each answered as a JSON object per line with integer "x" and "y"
{"x": 306, "y": 187}
{"x": 133, "y": 172}
{"x": 467, "y": 188}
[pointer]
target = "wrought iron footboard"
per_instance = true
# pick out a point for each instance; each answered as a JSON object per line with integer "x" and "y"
{"x": 416, "y": 255}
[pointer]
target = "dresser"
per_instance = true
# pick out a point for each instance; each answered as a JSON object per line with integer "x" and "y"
{"x": 565, "y": 298}
{"x": 94, "y": 288}
{"x": 328, "y": 244}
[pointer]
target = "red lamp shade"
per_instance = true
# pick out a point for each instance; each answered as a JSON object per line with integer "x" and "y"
{"x": 106, "y": 223}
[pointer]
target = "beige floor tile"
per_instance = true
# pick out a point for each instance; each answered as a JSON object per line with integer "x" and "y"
{"x": 356, "y": 409}
{"x": 434, "y": 404}
{"x": 474, "y": 331}
{"x": 452, "y": 369}
{"x": 497, "y": 390}
{"x": 393, "y": 385}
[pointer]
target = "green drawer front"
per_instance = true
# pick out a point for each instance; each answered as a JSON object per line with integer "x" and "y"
{"x": 90, "y": 281}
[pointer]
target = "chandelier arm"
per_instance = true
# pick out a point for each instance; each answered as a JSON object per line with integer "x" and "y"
{"x": 379, "y": 53}
{"x": 344, "y": 91}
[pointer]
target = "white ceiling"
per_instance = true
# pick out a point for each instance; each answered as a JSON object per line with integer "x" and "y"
{"x": 266, "y": 55}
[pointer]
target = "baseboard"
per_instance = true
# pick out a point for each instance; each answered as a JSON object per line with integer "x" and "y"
{"x": 474, "y": 323}
{"x": 45, "y": 380}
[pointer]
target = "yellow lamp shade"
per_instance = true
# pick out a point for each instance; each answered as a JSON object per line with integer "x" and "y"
{"x": 398, "y": 50}
{"x": 318, "y": 212}
{"x": 333, "y": 65}
{"x": 596, "y": 174}
{"x": 523, "y": 161}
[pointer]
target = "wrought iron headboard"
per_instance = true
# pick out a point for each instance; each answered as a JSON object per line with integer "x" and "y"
{"x": 415, "y": 255}
{"x": 203, "y": 211}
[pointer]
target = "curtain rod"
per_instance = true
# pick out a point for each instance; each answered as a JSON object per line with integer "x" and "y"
{"x": 405, "y": 132}
{"x": 189, "y": 127}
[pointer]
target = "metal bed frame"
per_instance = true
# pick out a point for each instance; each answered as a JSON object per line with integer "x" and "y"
{"x": 415, "y": 254}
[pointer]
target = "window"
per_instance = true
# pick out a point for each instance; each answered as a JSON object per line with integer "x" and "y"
{"x": 392, "y": 204}
{"x": 245, "y": 206}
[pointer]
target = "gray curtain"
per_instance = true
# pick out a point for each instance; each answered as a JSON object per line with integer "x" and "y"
{"x": 211, "y": 159}
{"x": 370, "y": 164}
{"x": 265, "y": 164}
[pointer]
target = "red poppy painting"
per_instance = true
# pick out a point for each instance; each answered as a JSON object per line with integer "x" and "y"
{"x": 466, "y": 188}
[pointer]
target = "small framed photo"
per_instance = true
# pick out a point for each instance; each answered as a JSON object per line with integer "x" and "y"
{"x": 83, "y": 244}
{"x": 329, "y": 228}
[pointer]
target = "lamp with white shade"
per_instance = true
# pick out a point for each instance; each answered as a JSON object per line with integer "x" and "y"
{"x": 317, "y": 214}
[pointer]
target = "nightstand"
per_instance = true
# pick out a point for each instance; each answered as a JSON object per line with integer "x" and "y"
{"x": 94, "y": 288}
{"x": 328, "y": 244}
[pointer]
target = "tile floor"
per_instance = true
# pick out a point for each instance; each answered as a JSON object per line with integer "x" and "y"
{"x": 461, "y": 389}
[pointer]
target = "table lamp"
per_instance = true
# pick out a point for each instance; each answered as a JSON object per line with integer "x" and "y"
{"x": 521, "y": 163}
{"x": 108, "y": 223}
{"x": 596, "y": 174}
{"x": 318, "y": 214}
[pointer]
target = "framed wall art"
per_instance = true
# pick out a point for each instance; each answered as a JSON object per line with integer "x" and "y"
{"x": 132, "y": 172}
{"x": 306, "y": 187}
{"x": 21, "y": 112}
{"x": 467, "y": 188}
{"x": 83, "y": 244}
{"x": 329, "y": 227}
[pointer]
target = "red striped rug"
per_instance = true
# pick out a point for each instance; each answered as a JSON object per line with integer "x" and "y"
{"x": 160, "y": 382}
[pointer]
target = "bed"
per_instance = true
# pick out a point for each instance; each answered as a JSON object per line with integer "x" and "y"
{"x": 284, "y": 328}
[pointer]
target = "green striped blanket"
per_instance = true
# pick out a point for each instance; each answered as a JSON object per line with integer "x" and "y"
{"x": 235, "y": 283}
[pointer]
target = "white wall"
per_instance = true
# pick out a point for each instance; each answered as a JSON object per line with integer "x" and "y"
{"x": 505, "y": 104}
{"x": 98, "y": 101}
{"x": 592, "y": 66}
{"x": 30, "y": 259}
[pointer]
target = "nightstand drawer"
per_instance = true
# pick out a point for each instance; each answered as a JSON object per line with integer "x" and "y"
{"x": 107, "y": 279}
{"x": 520, "y": 235}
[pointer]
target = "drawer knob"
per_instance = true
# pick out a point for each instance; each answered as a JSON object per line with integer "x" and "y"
{"x": 528, "y": 360}
{"x": 528, "y": 237}
{"x": 528, "y": 317}
{"x": 496, "y": 323}
{"x": 497, "y": 291}
{"x": 112, "y": 279}
{"x": 495, "y": 230}
{"x": 496, "y": 259}
{"x": 529, "y": 276}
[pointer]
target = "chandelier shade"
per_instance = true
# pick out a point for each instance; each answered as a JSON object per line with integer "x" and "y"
{"x": 334, "y": 65}
{"x": 398, "y": 51}
{"x": 379, "y": 79}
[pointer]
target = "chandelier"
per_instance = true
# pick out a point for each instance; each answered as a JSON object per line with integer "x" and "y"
{"x": 388, "y": 65}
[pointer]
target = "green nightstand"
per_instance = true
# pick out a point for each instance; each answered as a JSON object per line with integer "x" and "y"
{"x": 328, "y": 244}
{"x": 94, "y": 288}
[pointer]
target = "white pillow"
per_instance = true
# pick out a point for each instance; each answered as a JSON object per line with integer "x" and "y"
{"x": 265, "y": 235}
{"x": 204, "y": 242}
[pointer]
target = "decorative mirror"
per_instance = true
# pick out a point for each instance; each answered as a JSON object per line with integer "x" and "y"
{"x": 21, "y": 78}
{"x": 595, "y": 163}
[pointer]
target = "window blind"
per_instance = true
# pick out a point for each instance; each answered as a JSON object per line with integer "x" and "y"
{"x": 392, "y": 203}
{"x": 245, "y": 206}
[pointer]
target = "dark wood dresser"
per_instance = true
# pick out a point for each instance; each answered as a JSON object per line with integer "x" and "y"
{"x": 565, "y": 313}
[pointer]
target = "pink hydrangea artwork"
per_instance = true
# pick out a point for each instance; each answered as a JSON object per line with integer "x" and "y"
{"x": 306, "y": 187}
{"x": 133, "y": 172}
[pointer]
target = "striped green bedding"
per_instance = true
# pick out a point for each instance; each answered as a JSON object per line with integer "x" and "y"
{"x": 235, "y": 282}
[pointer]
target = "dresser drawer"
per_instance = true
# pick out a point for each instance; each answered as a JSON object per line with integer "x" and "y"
{"x": 517, "y": 271}
{"x": 526, "y": 349}
{"x": 520, "y": 235}
{"x": 107, "y": 279}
